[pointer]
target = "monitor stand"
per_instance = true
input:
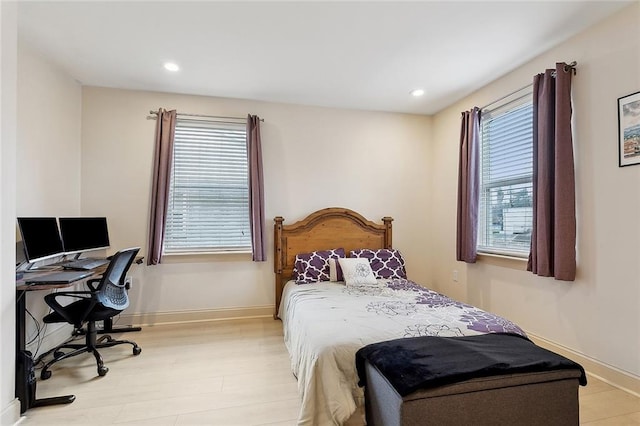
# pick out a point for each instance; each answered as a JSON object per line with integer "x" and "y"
{"x": 27, "y": 268}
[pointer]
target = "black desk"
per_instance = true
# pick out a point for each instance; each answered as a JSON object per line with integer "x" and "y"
{"x": 25, "y": 379}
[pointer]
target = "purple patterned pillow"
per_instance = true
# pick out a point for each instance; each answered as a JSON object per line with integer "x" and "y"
{"x": 385, "y": 263}
{"x": 314, "y": 267}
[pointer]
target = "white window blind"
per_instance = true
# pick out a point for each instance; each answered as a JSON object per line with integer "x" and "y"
{"x": 208, "y": 195}
{"x": 506, "y": 191}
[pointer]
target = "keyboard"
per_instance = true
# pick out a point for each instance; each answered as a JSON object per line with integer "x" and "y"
{"x": 84, "y": 264}
{"x": 62, "y": 277}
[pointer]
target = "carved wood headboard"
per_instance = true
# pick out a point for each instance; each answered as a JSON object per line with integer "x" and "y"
{"x": 323, "y": 230}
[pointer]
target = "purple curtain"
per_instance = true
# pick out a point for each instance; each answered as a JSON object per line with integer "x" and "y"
{"x": 162, "y": 159}
{"x": 256, "y": 188}
{"x": 468, "y": 187}
{"x": 553, "y": 239}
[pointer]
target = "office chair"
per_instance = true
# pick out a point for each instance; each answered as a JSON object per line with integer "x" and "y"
{"x": 106, "y": 298}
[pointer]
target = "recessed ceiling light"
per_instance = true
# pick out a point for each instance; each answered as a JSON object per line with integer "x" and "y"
{"x": 417, "y": 92}
{"x": 170, "y": 66}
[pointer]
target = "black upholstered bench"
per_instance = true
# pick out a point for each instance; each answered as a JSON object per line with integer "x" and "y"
{"x": 492, "y": 396}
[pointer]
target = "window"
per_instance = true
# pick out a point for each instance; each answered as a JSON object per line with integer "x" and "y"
{"x": 506, "y": 171}
{"x": 208, "y": 195}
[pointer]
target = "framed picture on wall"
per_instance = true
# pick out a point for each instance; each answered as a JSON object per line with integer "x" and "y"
{"x": 629, "y": 130}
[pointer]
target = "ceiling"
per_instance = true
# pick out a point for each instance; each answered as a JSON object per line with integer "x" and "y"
{"x": 359, "y": 55}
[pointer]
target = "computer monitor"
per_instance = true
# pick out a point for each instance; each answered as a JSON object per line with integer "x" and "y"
{"x": 80, "y": 234}
{"x": 40, "y": 238}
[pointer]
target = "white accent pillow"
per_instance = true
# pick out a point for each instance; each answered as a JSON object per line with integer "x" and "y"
{"x": 357, "y": 271}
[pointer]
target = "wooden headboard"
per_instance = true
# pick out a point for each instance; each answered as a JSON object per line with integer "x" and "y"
{"x": 324, "y": 230}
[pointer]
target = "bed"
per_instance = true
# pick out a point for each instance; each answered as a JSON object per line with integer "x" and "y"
{"x": 325, "y": 323}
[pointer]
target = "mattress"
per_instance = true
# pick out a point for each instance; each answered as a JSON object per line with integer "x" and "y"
{"x": 326, "y": 323}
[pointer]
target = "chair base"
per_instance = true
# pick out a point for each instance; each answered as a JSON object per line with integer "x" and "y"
{"x": 91, "y": 345}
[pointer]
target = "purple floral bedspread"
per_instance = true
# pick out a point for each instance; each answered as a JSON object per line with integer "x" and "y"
{"x": 326, "y": 323}
{"x": 476, "y": 319}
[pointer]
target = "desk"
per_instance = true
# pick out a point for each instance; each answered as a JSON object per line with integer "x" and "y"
{"x": 25, "y": 379}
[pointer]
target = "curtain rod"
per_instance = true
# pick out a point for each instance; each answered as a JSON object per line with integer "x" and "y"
{"x": 154, "y": 115}
{"x": 506, "y": 96}
{"x": 567, "y": 68}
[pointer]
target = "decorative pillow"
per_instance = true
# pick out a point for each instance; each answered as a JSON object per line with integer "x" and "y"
{"x": 314, "y": 267}
{"x": 385, "y": 263}
{"x": 357, "y": 271}
{"x": 335, "y": 271}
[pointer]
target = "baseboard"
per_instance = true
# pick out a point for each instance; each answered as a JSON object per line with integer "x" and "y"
{"x": 10, "y": 415}
{"x": 176, "y": 317}
{"x": 607, "y": 373}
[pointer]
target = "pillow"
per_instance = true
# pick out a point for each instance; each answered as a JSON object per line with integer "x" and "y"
{"x": 314, "y": 267}
{"x": 357, "y": 271}
{"x": 385, "y": 263}
{"x": 335, "y": 271}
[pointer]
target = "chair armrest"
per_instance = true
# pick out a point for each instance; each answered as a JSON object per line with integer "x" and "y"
{"x": 51, "y": 300}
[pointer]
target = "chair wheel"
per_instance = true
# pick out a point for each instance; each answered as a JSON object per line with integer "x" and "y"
{"x": 45, "y": 374}
{"x": 137, "y": 350}
{"x": 58, "y": 354}
{"x": 102, "y": 371}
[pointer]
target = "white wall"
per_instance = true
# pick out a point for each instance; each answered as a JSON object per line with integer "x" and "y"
{"x": 9, "y": 406}
{"x": 599, "y": 313}
{"x": 373, "y": 163}
{"x": 47, "y": 154}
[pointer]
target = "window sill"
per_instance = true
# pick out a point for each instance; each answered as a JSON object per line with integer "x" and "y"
{"x": 231, "y": 256}
{"x": 511, "y": 262}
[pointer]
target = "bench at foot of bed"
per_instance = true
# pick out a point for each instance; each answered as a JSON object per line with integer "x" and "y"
{"x": 541, "y": 398}
{"x": 490, "y": 379}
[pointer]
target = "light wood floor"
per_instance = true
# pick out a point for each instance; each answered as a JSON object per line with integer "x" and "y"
{"x": 219, "y": 373}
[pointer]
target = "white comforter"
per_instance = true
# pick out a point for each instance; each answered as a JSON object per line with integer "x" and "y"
{"x": 326, "y": 323}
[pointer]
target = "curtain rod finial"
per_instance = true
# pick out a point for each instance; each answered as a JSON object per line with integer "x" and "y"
{"x": 571, "y": 67}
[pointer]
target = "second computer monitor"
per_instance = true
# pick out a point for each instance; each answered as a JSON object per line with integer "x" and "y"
{"x": 81, "y": 234}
